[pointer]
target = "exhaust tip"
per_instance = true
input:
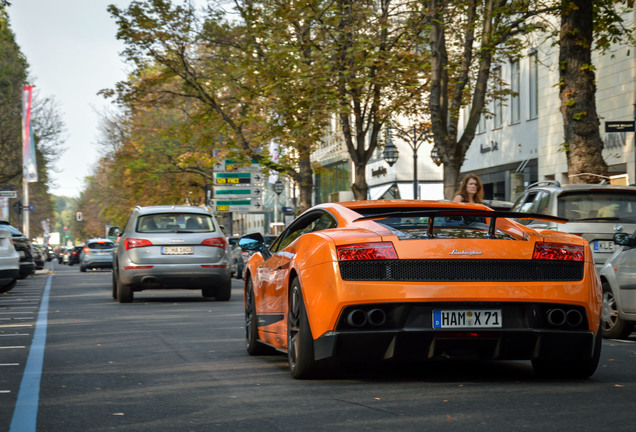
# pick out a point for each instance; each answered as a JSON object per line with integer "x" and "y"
{"x": 556, "y": 317}
{"x": 357, "y": 318}
{"x": 574, "y": 318}
{"x": 376, "y": 317}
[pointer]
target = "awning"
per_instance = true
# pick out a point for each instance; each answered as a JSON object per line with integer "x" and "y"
{"x": 376, "y": 192}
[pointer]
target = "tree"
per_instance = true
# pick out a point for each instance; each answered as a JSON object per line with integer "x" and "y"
{"x": 216, "y": 65}
{"x": 582, "y": 21}
{"x": 13, "y": 74}
{"x": 467, "y": 38}
{"x": 378, "y": 70}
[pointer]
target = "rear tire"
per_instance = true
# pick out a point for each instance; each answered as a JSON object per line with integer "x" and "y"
{"x": 614, "y": 327}
{"x": 224, "y": 291}
{"x": 114, "y": 283}
{"x": 578, "y": 369}
{"x": 82, "y": 268}
{"x": 124, "y": 292}
{"x": 208, "y": 292}
{"x": 300, "y": 343}
{"x": 252, "y": 344}
{"x": 8, "y": 287}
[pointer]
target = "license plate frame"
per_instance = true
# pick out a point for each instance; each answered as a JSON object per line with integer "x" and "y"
{"x": 177, "y": 250}
{"x": 607, "y": 246}
{"x": 467, "y": 318}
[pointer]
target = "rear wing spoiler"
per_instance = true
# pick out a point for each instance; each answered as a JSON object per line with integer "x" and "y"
{"x": 454, "y": 212}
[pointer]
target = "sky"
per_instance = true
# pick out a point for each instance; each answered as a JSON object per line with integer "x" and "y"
{"x": 72, "y": 51}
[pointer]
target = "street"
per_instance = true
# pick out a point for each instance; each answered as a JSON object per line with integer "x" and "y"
{"x": 174, "y": 361}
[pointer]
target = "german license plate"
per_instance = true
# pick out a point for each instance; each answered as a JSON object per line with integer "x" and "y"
{"x": 467, "y": 318}
{"x": 177, "y": 250}
{"x": 604, "y": 246}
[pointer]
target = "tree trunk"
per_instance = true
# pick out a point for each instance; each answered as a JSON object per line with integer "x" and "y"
{"x": 305, "y": 184}
{"x": 583, "y": 142}
{"x": 359, "y": 186}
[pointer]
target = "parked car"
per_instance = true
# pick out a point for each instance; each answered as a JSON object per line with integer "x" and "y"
{"x": 618, "y": 277}
{"x": 74, "y": 254}
{"x": 171, "y": 247}
{"x": 97, "y": 253}
{"x": 595, "y": 212}
{"x": 38, "y": 257}
{"x": 9, "y": 261}
{"x": 413, "y": 280}
{"x": 23, "y": 246}
{"x": 237, "y": 262}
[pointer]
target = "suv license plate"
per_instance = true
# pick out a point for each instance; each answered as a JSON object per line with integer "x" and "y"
{"x": 482, "y": 318}
{"x": 177, "y": 250}
{"x": 604, "y": 246}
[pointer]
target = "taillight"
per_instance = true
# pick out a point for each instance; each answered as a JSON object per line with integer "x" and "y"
{"x": 86, "y": 250}
{"x": 219, "y": 242}
{"x": 130, "y": 243}
{"x": 366, "y": 251}
{"x": 558, "y": 252}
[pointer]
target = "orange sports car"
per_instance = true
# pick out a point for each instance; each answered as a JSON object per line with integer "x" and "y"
{"x": 415, "y": 280}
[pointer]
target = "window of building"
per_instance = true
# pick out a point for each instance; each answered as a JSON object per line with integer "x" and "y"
{"x": 481, "y": 126}
{"x": 533, "y": 85}
{"x": 515, "y": 88}
{"x": 498, "y": 102}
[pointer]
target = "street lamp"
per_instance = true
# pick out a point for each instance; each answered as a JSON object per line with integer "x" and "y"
{"x": 391, "y": 152}
{"x": 414, "y": 141}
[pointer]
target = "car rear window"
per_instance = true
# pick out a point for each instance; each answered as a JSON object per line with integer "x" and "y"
{"x": 101, "y": 245}
{"x": 598, "y": 206}
{"x": 175, "y": 222}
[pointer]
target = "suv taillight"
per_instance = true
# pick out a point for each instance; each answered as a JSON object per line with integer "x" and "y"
{"x": 130, "y": 243}
{"x": 558, "y": 252}
{"x": 366, "y": 251}
{"x": 219, "y": 242}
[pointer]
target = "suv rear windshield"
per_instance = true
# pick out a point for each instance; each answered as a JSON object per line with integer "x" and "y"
{"x": 598, "y": 206}
{"x": 101, "y": 245}
{"x": 174, "y": 222}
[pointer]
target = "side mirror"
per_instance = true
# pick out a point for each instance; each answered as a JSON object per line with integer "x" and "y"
{"x": 623, "y": 239}
{"x": 113, "y": 232}
{"x": 254, "y": 242}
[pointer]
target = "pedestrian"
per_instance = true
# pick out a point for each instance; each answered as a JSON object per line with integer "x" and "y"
{"x": 471, "y": 190}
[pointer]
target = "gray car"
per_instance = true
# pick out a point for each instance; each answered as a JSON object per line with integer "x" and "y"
{"x": 97, "y": 253}
{"x": 171, "y": 247}
{"x": 595, "y": 212}
{"x": 618, "y": 276}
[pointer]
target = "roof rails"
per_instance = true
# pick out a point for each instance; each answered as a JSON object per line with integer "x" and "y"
{"x": 545, "y": 183}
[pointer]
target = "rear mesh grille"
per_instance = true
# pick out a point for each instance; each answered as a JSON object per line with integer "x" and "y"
{"x": 461, "y": 270}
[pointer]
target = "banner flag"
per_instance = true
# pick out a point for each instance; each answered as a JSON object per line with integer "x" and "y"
{"x": 29, "y": 167}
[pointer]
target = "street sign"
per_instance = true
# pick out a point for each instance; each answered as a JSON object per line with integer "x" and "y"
{"x": 237, "y": 178}
{"x": 8, "y": 194}
{"x": 247, "y": 205}
{"x": 231, "y": 165}
{"x": 222, "y": 192}
{"x": 619, "y": 126}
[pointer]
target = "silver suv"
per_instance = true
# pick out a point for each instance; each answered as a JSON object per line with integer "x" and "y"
{"x": 171, "y": 247}
{"x": 595, "y": 212}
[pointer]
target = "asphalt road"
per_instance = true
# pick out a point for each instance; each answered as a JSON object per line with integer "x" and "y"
{"x": 173, "y": 361}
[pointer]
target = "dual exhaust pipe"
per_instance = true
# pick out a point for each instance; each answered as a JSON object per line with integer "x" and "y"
{"x": 560, "y": 317}
{"x": 360, "y": 318}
